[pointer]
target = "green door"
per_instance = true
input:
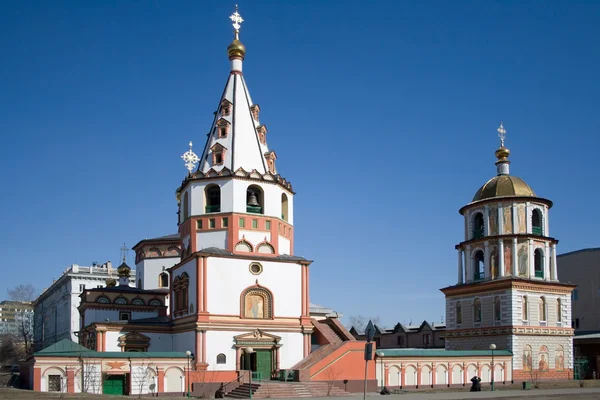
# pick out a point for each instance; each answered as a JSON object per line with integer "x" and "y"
{"x": 264, "y": 364}
{"x": 114, "y": 384}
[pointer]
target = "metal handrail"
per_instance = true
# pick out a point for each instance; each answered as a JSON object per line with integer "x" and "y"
{"x": 238, "y": 380}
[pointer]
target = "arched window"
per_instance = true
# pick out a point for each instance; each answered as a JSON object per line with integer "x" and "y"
{"x": 542, "y": 309}
{"x": 458, "y": 313}
{"x": 138, "y": 302}
{"x": 102, "y": 300}
{"x": 477, "y": 311}
{"x": 536, "y": 223}
{"x": 121, "y": 301}
{"x": 221, "y": 359}
{"x": 186, "y": 206}
{"x": 257, "y": 302}
{"x": 479, "y": 271}
{"x": 254, "y": 200}
{"x": 478, "y": 225}
{"x": 538, "y": 263}
{"x": 284, "y": 207}
{"x": 497, "y": 309}
{"x": 163, "y": 280}
{"x": 558, "y": 310}
{"x": 155, "y": 303}
{"x": 180, "y": 290}
{"x": 525, "y": 308}
{"x": 213, "y": 199}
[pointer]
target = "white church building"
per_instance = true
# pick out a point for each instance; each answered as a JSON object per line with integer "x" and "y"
{"x": 224, "y": 295}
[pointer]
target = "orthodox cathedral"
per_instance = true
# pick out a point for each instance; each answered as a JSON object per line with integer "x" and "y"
{"x": 222, "y": 301}
{"x": 225, "y": 300}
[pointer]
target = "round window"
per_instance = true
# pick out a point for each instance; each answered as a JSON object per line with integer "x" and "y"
{"x": 256, "y": 268}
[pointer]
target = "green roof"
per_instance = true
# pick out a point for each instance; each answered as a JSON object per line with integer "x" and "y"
{"x": 68, "y": 348}
{"x": 64, "y": 346}
{"x": 440, "y": 353}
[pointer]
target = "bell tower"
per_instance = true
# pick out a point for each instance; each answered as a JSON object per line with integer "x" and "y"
{"x": 507, "y": 291}
{"x": 238, "y": 273}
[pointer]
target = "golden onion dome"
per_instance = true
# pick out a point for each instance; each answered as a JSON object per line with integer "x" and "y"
{"x": 502, "y": 153}
{"x": 236, "y": 49}
{"x": 504, "y": 186}
{"x": 124, "y": 270}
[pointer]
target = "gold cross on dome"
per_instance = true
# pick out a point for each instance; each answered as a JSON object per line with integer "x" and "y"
{"x": 501, "y": 134}
{"x": 236, "y": 18}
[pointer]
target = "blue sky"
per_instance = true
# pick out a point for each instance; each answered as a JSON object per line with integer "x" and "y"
{"x": 383, "y": 117}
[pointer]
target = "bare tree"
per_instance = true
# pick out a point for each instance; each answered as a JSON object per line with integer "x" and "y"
{"x": 331, "y": 376}
{"x": 359, "y": 322}
{"x": 90, "y": 376}
{"x": 143, "y": 376}
{"x": 23, "y": 329}
{"x": 22, "y": 293}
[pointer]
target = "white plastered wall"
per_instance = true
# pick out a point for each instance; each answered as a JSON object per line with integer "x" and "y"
{"x": 227, "y": 278}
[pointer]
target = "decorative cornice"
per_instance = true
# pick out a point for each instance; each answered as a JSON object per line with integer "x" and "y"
{"x": 510, "y": 330}
{"x": 508, "y": 283}
{"x": 240, "y": 173}
{"x": 507, "y": 199}
{"x": 523, "y": 236}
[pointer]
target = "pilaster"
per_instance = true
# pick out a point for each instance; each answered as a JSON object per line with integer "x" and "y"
{"x": 460, "y": 267}
{"x": 501, "y": 257}
{"x": 513, "y": 259}
{"x": 547, "y": 275}
{"x": 530, "y": 261}
{"x": 486, "y": 260}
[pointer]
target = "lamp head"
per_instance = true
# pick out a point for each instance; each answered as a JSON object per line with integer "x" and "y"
{"x": 188, "y": 353}
{"x": 492, "y": 346}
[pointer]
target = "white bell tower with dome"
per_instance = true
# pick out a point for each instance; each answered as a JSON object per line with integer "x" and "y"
{"x": 238, "y": 281}
{"x": 507, "y": 291}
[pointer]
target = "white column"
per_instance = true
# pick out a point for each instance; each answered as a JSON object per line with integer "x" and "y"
{"x": 486, "y": 221}
{"x": 501, "y": 257}
{"x": 547, "y": 274}
{"x": 554, "y": 265}
{"x": 500, "y": 220}
{"x": 487, "y": 272}
{"x": 545, "y": 220}
{"x": 528, "y": 218}
{"x": 460, "y": 267}
{"x": 513, "y": 260}
{"x": 515, "y": 218}
{"x": 530, "y": 263}
{"x": 469, "y": 265}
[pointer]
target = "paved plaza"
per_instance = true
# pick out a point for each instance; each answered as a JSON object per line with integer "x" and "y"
{"x": 541, "y": 394}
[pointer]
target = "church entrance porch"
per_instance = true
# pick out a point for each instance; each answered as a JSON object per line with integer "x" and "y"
{"x": 258, "y": 352}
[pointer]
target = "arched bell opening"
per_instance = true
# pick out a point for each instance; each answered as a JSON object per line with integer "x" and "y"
{"x": 479, "y": 271}
{"x": 213, "y": 199}
{"x": 536, "y": 223}
{"x": 255, "y": 200}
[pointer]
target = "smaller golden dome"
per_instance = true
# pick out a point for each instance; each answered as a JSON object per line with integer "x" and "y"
{"x": 236, "y": 49}
{"x": 502, "y": 153}
{"x": 504, "y": 186}
{"x": 111, "y": 282}
{"x": 124, "y": 270}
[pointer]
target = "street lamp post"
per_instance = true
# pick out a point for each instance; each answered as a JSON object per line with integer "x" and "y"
{"x": 249, "y": 351}
{"x": 492, "y": 348}
{"x": 188, "y": 354}
{"x": 381, "y": 354}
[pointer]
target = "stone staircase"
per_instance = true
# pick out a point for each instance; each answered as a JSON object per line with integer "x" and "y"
{"x": 278, "y": 390}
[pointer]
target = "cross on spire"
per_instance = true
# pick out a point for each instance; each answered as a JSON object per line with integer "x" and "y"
{"x": 190, "y": 158}
{"x": 237, "y": 19}
{"x": 501, "y": 134}
{"x": 124, "y": 251}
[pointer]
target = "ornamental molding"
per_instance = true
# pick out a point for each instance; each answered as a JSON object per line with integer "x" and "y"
{"x": 509, "y": 283}
{"x": 510, "y": 330}
{"x": 521, "y": 236}
{"x": 241, "y": 173}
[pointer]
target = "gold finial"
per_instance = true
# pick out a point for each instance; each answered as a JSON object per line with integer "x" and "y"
{"x": 236, "y": 49}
